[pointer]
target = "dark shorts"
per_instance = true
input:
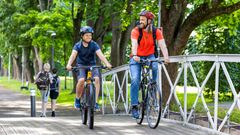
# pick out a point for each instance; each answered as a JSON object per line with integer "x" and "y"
{"x": 53, "y": 94}
{"x": 83, "y": 73}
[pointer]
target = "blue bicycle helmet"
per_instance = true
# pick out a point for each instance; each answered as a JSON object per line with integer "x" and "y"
{"x": 86, "y": 29}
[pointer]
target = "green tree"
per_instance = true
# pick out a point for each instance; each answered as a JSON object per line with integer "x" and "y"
{"x": 214, "y": 38}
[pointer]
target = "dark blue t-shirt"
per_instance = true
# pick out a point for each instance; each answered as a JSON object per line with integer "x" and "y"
{"x": 86, "y": 55}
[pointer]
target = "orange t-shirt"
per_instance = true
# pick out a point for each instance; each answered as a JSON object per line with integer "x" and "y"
{"x": 146, "y": 46}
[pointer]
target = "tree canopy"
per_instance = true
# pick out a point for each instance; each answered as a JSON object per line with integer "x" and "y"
{"x": 29, "y": 25}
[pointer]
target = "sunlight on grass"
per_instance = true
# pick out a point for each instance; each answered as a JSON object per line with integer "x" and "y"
{"x": 66, "y": 97}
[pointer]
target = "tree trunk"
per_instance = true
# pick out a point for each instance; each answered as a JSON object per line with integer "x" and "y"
{"x": 76, "y": 37}
{"x": 16, "y": 67}
{"x": 28, "y": 65}
{"x": 116, "y": 36}
{"x": 119, "y": 44}
{"x": 45, "y": 4}
{"x": 115, "y": 48}
{"x": 37, "y": 62}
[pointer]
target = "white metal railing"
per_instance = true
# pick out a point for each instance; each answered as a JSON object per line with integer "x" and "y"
{"x": 186, "y": 63}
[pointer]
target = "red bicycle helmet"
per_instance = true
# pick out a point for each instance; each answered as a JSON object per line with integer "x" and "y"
{"x": 147, "y": 14}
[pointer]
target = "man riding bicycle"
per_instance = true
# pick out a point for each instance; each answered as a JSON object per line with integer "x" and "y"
{"x": 85, "y": 51}
{"x": 144, "y": 49}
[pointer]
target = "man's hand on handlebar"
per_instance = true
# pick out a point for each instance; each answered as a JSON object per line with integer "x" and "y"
{"x": 166, "y": 60}
{"x": 136, "y": 58}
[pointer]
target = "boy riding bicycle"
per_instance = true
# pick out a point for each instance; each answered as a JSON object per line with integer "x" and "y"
{"x": 85, "y": 51}
{"x": 144, "y": 49}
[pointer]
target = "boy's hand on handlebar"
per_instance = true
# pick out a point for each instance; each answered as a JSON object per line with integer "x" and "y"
{"x": 109, "y": 66}
{"x": 69, "y": 68}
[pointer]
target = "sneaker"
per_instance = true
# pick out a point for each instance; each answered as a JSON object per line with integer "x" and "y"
{"x": 135, "y": 113}
{"x": 97, "y": 108}
{"x": 77, "y": 104}
{"x": 43, "y": 115}
{"x": 53, "y": 113}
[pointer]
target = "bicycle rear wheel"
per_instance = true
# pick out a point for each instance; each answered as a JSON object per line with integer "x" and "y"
{"x": 91, "y": 106}
{"x": 141, "y": 106}
{"x": 154, "y": 106}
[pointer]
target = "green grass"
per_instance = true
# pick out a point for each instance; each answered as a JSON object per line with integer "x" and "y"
{"x": 67, "y": 98}
{"x": 200, "y": 108}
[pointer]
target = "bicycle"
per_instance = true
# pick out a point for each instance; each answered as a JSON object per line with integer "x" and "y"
{"x": 88, "y": 99}
{"x": 150, "y": 96}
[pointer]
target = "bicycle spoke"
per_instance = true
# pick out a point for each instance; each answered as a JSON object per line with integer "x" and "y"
{"x": 153, "y": 107}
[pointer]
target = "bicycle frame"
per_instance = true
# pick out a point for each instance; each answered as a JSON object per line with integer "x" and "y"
{"x": 89, "y": 96}
{"x": 146, "y": 80}
{"x": 148, "y": 89}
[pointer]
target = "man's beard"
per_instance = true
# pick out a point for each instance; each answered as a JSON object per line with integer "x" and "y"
{"x": 148, "y": 27}
{"x": 141, "y": 26}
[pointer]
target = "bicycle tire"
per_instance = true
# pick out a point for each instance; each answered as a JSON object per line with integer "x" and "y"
{"x": 84, "y": 111}
{"x": 84, "y": 115}
{"x": 154, "y": 105}
{"x": 91, "y": 106}
{"x": 141, "y": 106}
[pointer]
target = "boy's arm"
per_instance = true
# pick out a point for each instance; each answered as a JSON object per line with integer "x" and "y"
{"x": 103, "y": 58}
{"x": 71, "y": 59}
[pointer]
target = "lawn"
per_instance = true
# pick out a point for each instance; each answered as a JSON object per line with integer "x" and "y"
{"x": 66, "y": 97}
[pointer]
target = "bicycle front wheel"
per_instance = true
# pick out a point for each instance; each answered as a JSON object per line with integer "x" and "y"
{"x": 84, "y": 115}
{"x": 141, "y": 106}
{"x": 154, "y": 106}
{"x": 84, "y": 110}
{"x": 91, "y": 106}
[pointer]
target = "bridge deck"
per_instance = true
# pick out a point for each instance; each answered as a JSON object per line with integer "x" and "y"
{"x": 15, "y": 111}
{"x": 115, "y": 125}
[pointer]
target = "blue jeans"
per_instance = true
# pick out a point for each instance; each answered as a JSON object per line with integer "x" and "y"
{"x": 135, "y": 70}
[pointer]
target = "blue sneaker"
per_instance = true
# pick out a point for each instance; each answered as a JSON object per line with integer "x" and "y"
{"x": 77, "y": 104}
{"x": 135, "y": 113}
{"x": 97, "y": 108}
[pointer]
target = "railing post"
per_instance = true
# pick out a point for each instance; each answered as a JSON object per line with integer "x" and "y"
{"x": 216, "y": 95}
{"x": 185, "y": 91}
{"x": 33, "y": 102}
{"x": 103, "y": 106}
{"x": 126, "y": 73}
{"x": 114, "y": 94}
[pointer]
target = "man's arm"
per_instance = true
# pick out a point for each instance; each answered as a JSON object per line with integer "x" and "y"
{"x": 134, "y": 49}
{"x": 162, "y": 45}
{"x": 103, "y": 58}
{"x": 71, "y": 59}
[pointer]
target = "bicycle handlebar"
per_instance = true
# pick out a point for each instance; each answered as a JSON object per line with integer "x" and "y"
{"x": 144, "y": 61}
{"x": 89, "y": 67}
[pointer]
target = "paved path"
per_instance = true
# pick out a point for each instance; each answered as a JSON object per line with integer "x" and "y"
{"x": 15, "y": 119}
